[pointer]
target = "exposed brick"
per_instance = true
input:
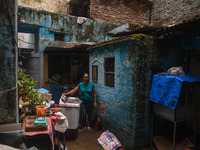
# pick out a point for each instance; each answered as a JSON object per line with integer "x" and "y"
{"x": 129, "y": 11}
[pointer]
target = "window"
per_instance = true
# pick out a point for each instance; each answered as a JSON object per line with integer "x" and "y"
{"x": 26, "y": 40}
{"x": 79, "y": 8}
{"x": 109, "y": 71}
{"x": 59, "y": 37}
{"x": 95, "y": 74}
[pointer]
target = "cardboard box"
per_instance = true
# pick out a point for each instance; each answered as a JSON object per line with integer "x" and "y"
{"x": 47, "y": 96}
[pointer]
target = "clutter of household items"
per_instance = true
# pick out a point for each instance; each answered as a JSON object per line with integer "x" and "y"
{"x": 173, "y": 102}
{"x": 57, "y": 121}
{"x": 175, "y": 71}
{"x": 58, "y": 89}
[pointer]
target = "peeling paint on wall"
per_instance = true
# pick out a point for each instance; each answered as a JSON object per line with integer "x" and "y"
{"x": 124, "y": 108}
{"x": 8, "y": 58}
{"x": 50, "y": 23}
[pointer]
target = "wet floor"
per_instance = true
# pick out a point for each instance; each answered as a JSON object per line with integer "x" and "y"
{"x": 86, "y": 140}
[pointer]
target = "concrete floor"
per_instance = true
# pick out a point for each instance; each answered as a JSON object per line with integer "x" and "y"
{"x": 86, "y": 140}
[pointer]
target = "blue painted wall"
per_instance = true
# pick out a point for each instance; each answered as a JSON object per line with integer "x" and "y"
{"x": 124, "y": 108}
{"x": 170, "y": 53}
{"x": 172, "y": 50}
{"x": 123, "y": 79}
{"x": 191, "y": 41}
{"x": 49, "y": 23}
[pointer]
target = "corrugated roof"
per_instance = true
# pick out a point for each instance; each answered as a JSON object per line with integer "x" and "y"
{"x": 78, "y": 45}
{"x": 65, "y": 50}
{"x": 149, "y": 30}
{"x": 70, "y": 47}
{"x": 116, "y": 40}
{"x": 169, "y": 30}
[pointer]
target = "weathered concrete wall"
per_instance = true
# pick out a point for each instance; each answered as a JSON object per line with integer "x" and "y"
{"x": 171, "y": 50}
{"x": 56, "y": 6}
{"x": 124, "y": 108}
{"x": 119, "y": 12}
{"x": 8, "y": 87}
{"x": 191, "y": 41}
{"x": 49, "y": 23}
{"x": 174, "y": 11}
{"x": 171, "y": 55}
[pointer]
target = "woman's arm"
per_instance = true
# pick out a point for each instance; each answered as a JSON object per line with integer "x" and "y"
{"x": 95, "y": 98}
{"x": 72, "y": 91}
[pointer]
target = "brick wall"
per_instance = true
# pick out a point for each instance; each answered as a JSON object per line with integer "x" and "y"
{"x": 119, "y": 11}
{"x": 174, "y": 11}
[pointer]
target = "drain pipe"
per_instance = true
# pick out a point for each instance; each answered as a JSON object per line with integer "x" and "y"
{"x": 16, "y": 62}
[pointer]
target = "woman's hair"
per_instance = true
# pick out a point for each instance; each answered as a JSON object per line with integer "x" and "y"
{"x": 86, "y": 74}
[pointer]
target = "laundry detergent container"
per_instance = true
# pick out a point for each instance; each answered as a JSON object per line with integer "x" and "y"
{"x": 71, "y": 109}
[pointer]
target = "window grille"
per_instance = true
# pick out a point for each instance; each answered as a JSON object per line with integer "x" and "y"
{"x": 95, "y": 74}
{"x": 109, "y": 71}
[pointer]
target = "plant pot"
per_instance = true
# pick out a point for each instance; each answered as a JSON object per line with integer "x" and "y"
{"x": 41, "y": 111}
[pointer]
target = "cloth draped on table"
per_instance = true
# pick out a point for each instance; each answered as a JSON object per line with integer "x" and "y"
{"x": 49, "y": 131}
{"x": 62, "y": 122}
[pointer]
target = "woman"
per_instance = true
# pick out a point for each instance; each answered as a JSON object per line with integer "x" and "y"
{"x": 89, "y": 101}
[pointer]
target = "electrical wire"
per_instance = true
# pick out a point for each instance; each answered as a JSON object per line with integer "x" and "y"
{"x": 82, "y": 7}
{"x": 26, "y": 42}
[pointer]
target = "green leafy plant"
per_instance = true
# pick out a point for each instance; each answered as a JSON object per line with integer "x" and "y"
{"x": 26, "y": 85}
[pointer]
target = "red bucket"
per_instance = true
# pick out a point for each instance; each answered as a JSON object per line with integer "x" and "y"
{"x": 55, "y": 106}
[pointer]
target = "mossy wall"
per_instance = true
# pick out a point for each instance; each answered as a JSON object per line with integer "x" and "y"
{"x": 8, "y": 56}
{"x": 124, "y": 108}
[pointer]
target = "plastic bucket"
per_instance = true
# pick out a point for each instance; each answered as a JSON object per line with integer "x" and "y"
{"x": 41, "y": 111}
{"x": 55, "y": 106}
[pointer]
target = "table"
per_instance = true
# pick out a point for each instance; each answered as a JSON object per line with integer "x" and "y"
{"x": 40, "y": 136}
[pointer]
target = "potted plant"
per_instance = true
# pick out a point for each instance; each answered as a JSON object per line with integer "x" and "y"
{"x": 26, "y": 90}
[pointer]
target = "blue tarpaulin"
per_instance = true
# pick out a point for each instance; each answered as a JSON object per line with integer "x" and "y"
{"x": 165, "y": 90}
{"x": 43, "y": 90}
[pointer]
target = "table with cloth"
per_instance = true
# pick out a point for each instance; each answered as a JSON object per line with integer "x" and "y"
{"x": 42, "y": 139}
{"x": 165, "y": 91}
